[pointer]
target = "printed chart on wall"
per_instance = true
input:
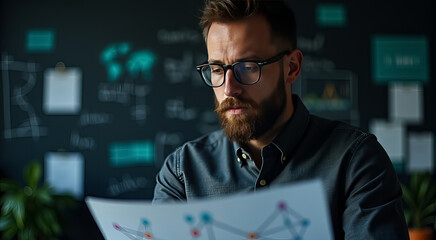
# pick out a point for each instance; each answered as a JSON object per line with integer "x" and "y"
{"x": 297, "y": 212}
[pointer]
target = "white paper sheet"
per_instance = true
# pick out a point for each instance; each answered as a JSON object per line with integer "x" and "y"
{"x": 296, "y": 211}
{"x": 62, "y": 91}
{"x": 421, "y": 151}
{"x": 406, "y": 103}
{"x": 64, "y": 172}
{"x": 391, "y": 135}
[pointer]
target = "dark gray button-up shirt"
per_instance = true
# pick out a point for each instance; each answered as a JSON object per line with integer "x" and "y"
{"x": 361, "y": 185}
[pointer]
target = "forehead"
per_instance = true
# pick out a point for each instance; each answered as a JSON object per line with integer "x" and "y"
{"x": 251, "y": 34}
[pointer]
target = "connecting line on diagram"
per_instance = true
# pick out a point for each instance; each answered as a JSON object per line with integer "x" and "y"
{"x": 292, "y": 226}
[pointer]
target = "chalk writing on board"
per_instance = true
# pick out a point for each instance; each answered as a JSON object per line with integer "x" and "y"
{"x": 127, "y": 93}
{"x": 20, "y": 77}
{"x": 314, "y": 64}
{"x": 179, "y": 36}
{"x": 116, "y": 92}
{"x": 179, "y": 70}
{"x": 80, "y": 142}
{"x": 94, "y": 119}
{"x": 208, "y": 122}
{"x": 311, "y": 44}
{"x": 140, "y": 110}
{"x": 175, "y": 109}
{"x": 164, "y": 143}
{"x": 126, "y": 184}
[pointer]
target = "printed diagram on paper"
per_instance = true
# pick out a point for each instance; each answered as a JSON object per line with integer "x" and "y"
{"x": 294, "y": 212}
{"x": 282, "y": 223}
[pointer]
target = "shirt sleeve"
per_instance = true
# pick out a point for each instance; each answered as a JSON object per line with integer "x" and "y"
{"x": 169, "y": 181}
{"x": 373, "y": 207}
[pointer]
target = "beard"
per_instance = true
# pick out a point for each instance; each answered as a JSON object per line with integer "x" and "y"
{"x": 258, "y": 117}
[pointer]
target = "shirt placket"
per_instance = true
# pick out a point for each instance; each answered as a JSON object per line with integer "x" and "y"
{"x": 271, "y": 163}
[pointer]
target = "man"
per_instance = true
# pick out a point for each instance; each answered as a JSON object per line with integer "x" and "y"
{"x": 268, "y": 136}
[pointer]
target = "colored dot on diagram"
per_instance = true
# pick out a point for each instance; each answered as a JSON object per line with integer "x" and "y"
{"x": 195, "y": 233}
{"x": 148, "y": 235}
{"x": 252, "y": 235}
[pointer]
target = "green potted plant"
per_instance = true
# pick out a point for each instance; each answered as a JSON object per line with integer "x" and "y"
{"x": 420, "y": 199}
{"x": 33, "y": 211}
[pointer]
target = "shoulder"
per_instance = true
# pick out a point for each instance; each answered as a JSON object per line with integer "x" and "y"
{"x": 339, "y": 131}
{"x": 208, "y": 141}
{"x": 203, "y": 144}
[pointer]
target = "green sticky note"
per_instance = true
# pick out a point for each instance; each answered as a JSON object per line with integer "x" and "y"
{"x": 331, "y": 15}
{"x": 40, "y": 40}
{"x": 131, "y": 153}
{"x": 400, "y": 59}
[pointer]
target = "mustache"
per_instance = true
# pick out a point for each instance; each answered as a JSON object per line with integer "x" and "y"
{"x": 230, "y": 103}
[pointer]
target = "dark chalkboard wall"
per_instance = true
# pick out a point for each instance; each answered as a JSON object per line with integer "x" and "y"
{"x": 168, "y": 104}
{"x": 165, "y": 105}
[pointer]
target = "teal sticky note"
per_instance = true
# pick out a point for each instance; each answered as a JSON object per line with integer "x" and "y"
{"x": 400, "y": 59}
{"x": 40, "y": 40}
{"x": 331, "y": 15}
{"x": 132, "y": 153}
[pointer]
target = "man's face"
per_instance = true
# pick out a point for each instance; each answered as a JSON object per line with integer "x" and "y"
{"x": 258, "y": 117}
{"x": 246, "y": 111}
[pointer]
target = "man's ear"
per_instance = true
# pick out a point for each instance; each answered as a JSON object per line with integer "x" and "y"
{"x": 294, "y": 61}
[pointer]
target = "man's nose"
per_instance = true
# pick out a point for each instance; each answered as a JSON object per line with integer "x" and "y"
{"x": 232, "y": 87}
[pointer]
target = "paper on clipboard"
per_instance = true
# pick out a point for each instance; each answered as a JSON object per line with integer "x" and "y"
{"x": 64, "y": 172}
{"x": 421, "y": 151}
{"x": 62, "y": 91}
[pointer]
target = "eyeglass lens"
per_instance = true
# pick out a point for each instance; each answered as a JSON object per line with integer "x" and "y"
{"x": 245, "y": 73}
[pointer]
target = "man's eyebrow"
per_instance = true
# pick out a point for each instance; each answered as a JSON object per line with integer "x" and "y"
{"x": 251, "y": 58}
{"x": 215, "y": 61}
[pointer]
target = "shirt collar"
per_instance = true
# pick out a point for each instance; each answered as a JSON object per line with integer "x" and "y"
{"x": 288, "y": 139}
{"x": 294, "y": 129}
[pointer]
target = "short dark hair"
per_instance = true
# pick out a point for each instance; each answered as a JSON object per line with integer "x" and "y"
{"x": 279, "y": 16}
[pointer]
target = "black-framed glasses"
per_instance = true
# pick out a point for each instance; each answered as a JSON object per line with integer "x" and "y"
{"x": 246, "y": 72}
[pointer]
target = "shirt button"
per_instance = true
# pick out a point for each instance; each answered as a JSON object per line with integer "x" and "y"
{"x": 262, "y": 182}
{"x": 239, "y": 160}
{"x": 284, "y": 158}
{"x": 244, "y": 156}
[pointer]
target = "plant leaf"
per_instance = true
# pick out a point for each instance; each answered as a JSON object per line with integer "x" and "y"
{"x": 408, "y": 197}
{"x": 423, "y": 189}
{"x": 8, "y": 186}
{"x": 43, "y": 224}
{"x": 429, "y": 220}
{"x": 28, "y": 233}
{"x": 32, "y": 174}
{"x": 50, "y": 218}
{"x": 430, "y": 209}
{"x": 5, "y": 223}
{"x": 407, "y": 216}
{"x": 19, "y": 211}
{"x": 10, "y": 232}
{"x": 44, "y": 195}
{"x": 8, "y": 203}
{"x": 14, "y": 204}
{"x": 415, "y": 182}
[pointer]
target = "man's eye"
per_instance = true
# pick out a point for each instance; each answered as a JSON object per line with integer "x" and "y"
{"x": 216, "y": 70}
{"x": 248, "y": 67}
